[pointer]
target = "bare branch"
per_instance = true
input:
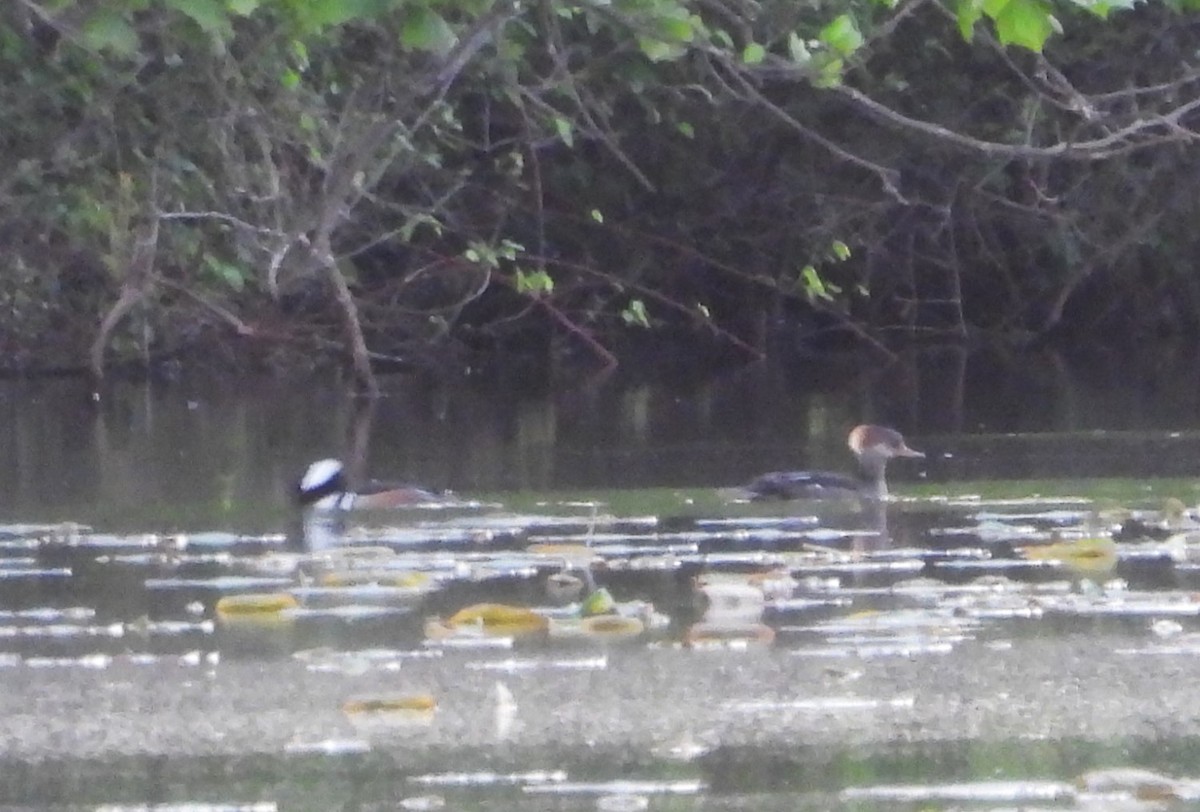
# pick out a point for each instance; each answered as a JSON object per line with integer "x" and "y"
{"x": 1141, "y": 134}
{"x": 889, "y": 178}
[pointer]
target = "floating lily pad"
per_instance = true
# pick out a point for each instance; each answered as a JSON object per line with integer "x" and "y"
{"x": 389, "y": 703}
{"x": 383, "y": 711}
{"x": 498, "y": 619}
{"x": 729, "y": 635}
{"x": 1089, "y": 556}
{"x": 600, "y": 628}
{"x": 612, "y": 627}
{"x": 257, "y": 608}
{"x": 398, "y": 578}
{"x": 567, "y": 551}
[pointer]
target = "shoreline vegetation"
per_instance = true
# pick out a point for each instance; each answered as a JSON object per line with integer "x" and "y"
{"x": 267, "y": 184}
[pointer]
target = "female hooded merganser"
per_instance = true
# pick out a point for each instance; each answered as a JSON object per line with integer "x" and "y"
{"x": 872, "y": 445}
{"x": 324, "y": 487}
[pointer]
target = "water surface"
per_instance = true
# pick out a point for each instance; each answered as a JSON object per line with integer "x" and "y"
{"x": 128, "y": 521}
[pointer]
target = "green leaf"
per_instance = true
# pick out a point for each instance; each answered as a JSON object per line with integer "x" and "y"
{"x": 658, "y": 51}
{"x": 830, "y": 74}
{"x": 564, "y": 131}
{"x": 685, "y": 129}
{"x": 230, "y": 274}
{"x": 534, "y": 283}
{"x": 968, "y": 13}
{"x": 634, "y": 314}
{"x": 994, "y": 8}
{"x": 753, "y": 54}
{"x": 597, "y": 215}
{"x": 210, "y": 15}
{"x": 243, "y": 8}
{"x": 797, "y": 50}
{"x": 299, "y": 53}
{"x": 316, "y": 15}
{"x": 107, "y": 30}
{"x": 842, "y": 35}
{"x": 424, "y": 30}
{"x": 1102, "y": 8}
{"x": 678, "y": 29}
{"x": 1027, "y": 23}
{"x": 509, "y": 249}
{"x": 840, "y": 250}
{"x": 812, "y": 284}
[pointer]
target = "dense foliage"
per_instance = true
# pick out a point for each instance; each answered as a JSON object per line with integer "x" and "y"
{"x": 398, "y": 179}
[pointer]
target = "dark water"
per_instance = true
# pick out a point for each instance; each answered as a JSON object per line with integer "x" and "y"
{"x": 211, "y": 454}
{"x": 179, "y": 495}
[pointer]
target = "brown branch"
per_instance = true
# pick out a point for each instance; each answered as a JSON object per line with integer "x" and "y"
{"x": 557, "y": 51}
{"x": 226, "y": 315}
{"x": 583, "y": 334}
{"x": 343, "y": 186}
{"x": 1134, "y": 236}
{"x": 136, "y": 283}
{"x": 1116, "y": 143}
{"x": 130, "y": 295}
{"x": 662, "y": 299}
{"x": 359, "y": 355}
{"x": 888, "y": 178}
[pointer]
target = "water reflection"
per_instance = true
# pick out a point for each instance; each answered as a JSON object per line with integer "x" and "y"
{"x": 1004, "y": 775}
{"x": 204, "y": 453}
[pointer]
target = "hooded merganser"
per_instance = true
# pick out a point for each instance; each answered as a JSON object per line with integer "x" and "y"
{"x": 872, "y": 445}
{"x": 324, "y": 487}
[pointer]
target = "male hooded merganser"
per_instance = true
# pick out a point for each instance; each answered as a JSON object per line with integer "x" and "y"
{"x": 324, "y": 487}
{"x": 872, "y": 445}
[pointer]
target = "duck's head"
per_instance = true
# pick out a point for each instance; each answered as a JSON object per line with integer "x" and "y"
{"x": 879, "y": 442}
{"x": 324, "y": 478}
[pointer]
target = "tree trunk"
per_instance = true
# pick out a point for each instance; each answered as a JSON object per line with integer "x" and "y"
{"x": 360, "y": 356}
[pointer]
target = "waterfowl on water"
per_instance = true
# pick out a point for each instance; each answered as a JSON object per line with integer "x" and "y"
{"x": 324, "y": 487}
{"x": 872, "y": 445}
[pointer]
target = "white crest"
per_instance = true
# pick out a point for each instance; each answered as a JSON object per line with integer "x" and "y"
{"x": 320, "y": 473}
